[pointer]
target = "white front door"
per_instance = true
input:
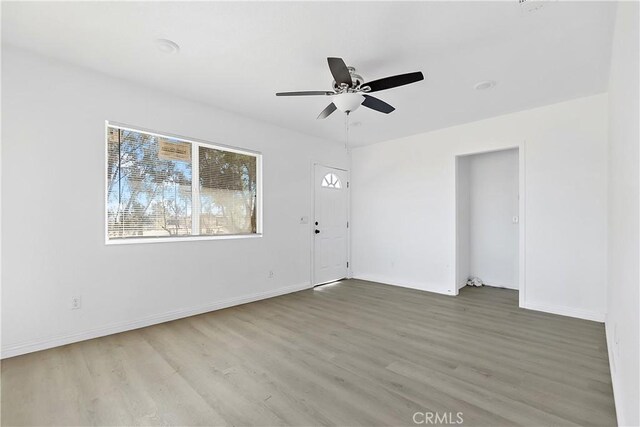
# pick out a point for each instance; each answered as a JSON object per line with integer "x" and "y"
{"x": 330, "y": 221}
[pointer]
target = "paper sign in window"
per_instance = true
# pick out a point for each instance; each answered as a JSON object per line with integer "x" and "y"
{"x": 169, "y": 150}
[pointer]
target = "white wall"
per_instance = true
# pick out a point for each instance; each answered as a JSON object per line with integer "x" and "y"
{"x": 624, "y": 276}
{"x": 53, "y": 210}
{"x": 493, "y": 202}
{"x": 403, "y": 204}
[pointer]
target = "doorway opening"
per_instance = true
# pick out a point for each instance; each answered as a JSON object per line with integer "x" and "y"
{"x": 330, "y": 261}
{"x": 489, "y": 220}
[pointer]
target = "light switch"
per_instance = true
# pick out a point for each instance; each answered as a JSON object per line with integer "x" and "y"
{"x": 515, "y": 219}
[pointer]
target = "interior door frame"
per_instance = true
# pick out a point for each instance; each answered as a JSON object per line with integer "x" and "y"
{"x": 521, "y": 215}
{"x": 312, "y": 219}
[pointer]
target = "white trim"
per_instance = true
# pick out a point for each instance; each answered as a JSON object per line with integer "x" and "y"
{"x": 500, "y": 286}
{"x": 259, "y": 199}
{"x": 349, "y": 210}
{"x": 521, "y": 217}
{"x": 312, "y": 222}
{"x": 195, "y": 189}
{"x": 565, "y": 311}
{"x": 105, "y": 220}
{"x": 195, "y": 238}
{"x": 617, "y": 400}
{"x": 349, "y": 262}
{"x": 460, "y": 282}
{"x": 183, "y": 138}
{"x": 392, "y": 282}
{"x": 45, "y": 343}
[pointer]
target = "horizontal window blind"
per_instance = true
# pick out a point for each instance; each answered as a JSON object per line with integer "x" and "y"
{"x": 150, "y": 191}
{"x": 227, "y": 192}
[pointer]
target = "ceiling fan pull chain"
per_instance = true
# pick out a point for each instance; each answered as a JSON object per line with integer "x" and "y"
{"x": 346, "y": 131}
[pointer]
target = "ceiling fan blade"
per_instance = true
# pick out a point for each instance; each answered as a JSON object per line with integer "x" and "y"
{"x": 305, "y": 93}
{"x": 394, "y": 81}
{"x": 325, "y": 113}
{"x": 340, "y": 71}
{"x": 377, "y": 104}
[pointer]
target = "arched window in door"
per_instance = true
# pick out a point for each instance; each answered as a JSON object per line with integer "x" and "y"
{"x": 330, "y": 180}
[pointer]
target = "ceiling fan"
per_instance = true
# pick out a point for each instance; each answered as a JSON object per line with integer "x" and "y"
{"x": 350, "y": 91}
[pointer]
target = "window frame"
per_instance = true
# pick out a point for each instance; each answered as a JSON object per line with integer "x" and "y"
{"x": 195, "y": 189}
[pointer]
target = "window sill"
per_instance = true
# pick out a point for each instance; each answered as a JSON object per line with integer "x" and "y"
{"x": 133, "y": 241}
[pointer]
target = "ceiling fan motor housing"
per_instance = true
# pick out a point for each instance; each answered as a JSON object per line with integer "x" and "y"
{"x": 355, "y": 78}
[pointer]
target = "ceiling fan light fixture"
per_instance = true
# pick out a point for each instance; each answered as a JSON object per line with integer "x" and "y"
{"x": 348, "y": 102}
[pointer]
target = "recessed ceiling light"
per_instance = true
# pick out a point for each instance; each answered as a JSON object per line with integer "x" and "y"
{"x": 484, "y": 85}
{"x": 167, "y": 46}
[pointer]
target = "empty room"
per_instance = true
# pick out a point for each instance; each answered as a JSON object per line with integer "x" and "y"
{"x": 316, "y": 213}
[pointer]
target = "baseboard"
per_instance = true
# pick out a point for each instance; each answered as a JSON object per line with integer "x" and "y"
{"x": 565, "y": 311}
{"x": 617, "y": 394}
{"x": 612, "y": 371}
{"x": 43, "y": 344}
{"x": 401, "y": 284}
{"x": 497, "y": 285}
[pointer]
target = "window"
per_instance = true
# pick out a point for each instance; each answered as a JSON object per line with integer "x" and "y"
{"x": 331, "y": 181}
{"x": 163, "y": 187}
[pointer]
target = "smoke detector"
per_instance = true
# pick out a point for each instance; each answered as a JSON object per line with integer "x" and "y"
{"x": 167, "y": 46}
{"x": 485, "y": 84}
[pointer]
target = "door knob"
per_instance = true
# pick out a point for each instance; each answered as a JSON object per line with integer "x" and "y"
{"x": 317, "y": 231}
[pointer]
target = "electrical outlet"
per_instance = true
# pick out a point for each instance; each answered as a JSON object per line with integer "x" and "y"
{"x": 76, "y": 303}
{"x": 271, "y": 274}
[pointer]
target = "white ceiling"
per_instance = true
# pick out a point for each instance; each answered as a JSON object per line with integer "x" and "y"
{"x": 236, "y": 55}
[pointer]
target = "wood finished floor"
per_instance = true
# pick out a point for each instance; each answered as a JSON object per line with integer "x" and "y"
{"x": 353, "y": 353}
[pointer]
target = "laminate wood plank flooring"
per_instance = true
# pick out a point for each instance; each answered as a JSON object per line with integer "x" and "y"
{"x": 351, "y": 353}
